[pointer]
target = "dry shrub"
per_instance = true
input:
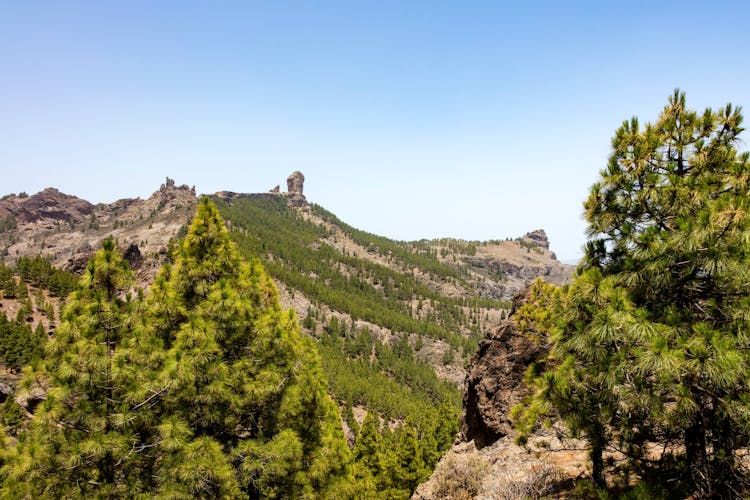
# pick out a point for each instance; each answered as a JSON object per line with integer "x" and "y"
{"x": 538, "y": 483}
{"x": 459, "y": 479}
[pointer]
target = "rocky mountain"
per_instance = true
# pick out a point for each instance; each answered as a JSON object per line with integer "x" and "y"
{"x": 67, "y": 229}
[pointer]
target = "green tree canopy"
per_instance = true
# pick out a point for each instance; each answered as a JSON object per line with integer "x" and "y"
{"x": 237, "y": 377}
{"x": 650, "y": 341}
{"x": 80, "y": 441}
{"x": 203, "y": 389}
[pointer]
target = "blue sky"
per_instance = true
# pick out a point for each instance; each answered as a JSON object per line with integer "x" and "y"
{"x": 411, "y": 119}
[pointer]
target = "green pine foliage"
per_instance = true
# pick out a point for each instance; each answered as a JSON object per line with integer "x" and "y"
{"x": 9, "y": 288}
{"x": 411, "y": 254}
{"x": 19, "y": 344}
{"x": 203, "y": 389}
{"x": 397, "y": 461}
{"x": 238, "y": 379}
{"x": 384, "y": 378}
{"x": 7, "y": 282}
{"x": 294, "y": 252}
{"x": 388, "y": 380}
{"x": 649, "y": 343}
{"x": 40, "y": 272}
{"x": 80, "y": 441}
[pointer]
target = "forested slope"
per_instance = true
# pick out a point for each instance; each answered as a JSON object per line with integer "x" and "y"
{"x": 394, "y": 321}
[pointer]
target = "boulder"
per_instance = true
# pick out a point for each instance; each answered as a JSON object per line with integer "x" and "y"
{"x": 295, "y": 184}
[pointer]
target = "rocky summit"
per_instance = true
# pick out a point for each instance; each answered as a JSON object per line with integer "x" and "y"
{"x": 67, "y": 229}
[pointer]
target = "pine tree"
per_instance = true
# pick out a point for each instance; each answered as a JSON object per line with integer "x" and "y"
{"x": 238, "y": 385}
{"x": 368, "y": 444}
{"x": 9, "y": 288}
{"x": 650, "y": 345}
{"x": 39, "y": 299}
{"x": 80, "y": 440}
{"x": 403, "y": 466}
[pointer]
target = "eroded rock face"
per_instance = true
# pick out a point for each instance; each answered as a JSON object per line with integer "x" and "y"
{"x": 133, "y": 255}
{"x": 67, "y": 229}
{"x": 295, "y": 182}
{"x": 539, "y": 237}
{"x": 49, "y": 204}
{"x": 494, "y": 383}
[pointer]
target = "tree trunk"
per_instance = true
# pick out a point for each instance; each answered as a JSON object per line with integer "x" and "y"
{"x": 596, "y": 440}
{"x": 723, "y": 467}
{"x": 697, "y": 461}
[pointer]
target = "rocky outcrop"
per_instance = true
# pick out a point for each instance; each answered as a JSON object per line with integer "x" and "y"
{"x": 295, "y": 184}
{"x": 538, "y": 237}
{"x": 485, "y": 462}
{"x": 133, "y": 255}
{"x": 501, "y": 471}
{"x": 508, "y": 273}
{"x": 49, "y": 205}
{"x": 68, "y": 230}
{"x": 494, "y": 383}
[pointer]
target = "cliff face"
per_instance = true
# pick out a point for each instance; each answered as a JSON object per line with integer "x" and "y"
{"x": 45, "y": 207}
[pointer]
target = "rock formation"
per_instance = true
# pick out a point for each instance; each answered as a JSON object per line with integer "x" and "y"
{"x": 484, "y": 462}
{"x": 538, "y": 237}
{"x": 295, "y": 185}
{"x": 67, "y": 229}
{"x": 494, "y": 382}
{"x": 47, "y": 205}
{"x": 295, "y": 182}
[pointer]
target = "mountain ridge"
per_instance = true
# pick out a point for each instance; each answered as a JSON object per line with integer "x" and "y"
{"x": 67, "y": 228}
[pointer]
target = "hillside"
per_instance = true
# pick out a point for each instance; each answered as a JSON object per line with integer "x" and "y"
{"x": 67, "y": 229}
{"x": 443, "y": 294}
{"x": 396, "y": 322}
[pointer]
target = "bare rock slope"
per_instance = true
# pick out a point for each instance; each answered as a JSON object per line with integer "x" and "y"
{"x": 68, "y": 229}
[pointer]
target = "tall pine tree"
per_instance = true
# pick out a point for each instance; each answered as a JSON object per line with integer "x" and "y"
{"x": 81, "y": 440}
{"x": 652, "y": 336}
{"x": 237, "y": 385}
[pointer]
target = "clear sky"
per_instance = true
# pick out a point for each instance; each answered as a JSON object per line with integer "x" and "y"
{"x": 410, "y": 119}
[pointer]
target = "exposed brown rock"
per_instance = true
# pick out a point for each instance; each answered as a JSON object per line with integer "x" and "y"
{"x": 68, "y": 230}
{"x": 484, "y": 462}
{"x": 502, "y": 471}
{"x": 539, "y": 237}
{"x": 509, "y": 274}
{"x": 49, "y": 204}
{"x": 295, "y": 185}
{"x": 295, "y": 182}
{"x": 494, "y": 383}
{"x": 133, "y": 255}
